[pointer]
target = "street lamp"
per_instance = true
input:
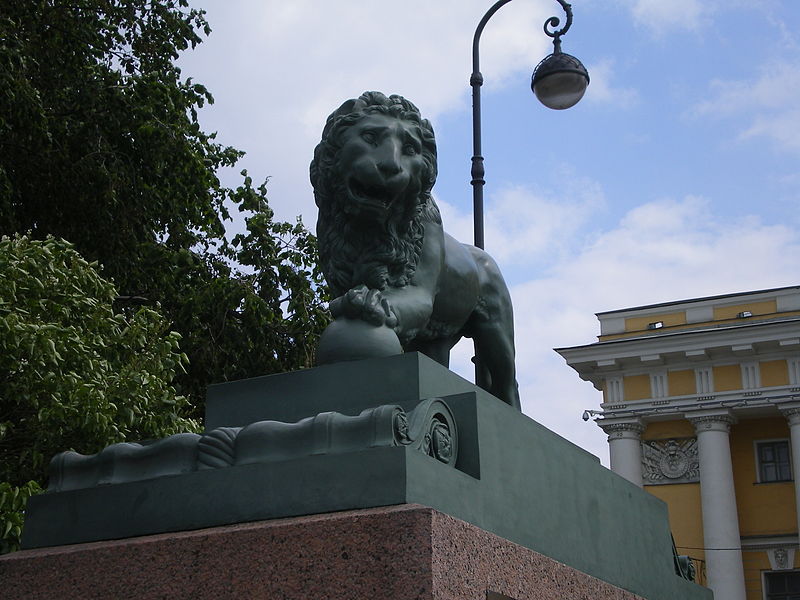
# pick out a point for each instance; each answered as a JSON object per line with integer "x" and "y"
{"x": 559, "y": 81}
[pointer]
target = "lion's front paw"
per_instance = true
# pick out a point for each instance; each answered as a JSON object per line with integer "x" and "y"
{"x": 366, "y": 304}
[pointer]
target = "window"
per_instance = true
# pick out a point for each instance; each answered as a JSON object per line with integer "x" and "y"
{"x": 782, "y": 585}
{"x": 773, "y": 461}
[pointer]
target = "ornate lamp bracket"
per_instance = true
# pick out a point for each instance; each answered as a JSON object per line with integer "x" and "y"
{"x": 555, "y": 22}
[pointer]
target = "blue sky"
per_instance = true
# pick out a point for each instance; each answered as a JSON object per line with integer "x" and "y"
{"x": 675, "y": 177}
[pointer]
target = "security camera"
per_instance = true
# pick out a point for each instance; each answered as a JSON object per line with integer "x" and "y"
{"x": 586, "y": 415}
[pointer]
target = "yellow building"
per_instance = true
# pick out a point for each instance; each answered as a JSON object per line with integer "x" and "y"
{"x": 701, "y": 404}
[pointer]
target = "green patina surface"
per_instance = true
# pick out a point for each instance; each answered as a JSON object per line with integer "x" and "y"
{"x": 514, "y": 478}
{"x": 346, "y": 387}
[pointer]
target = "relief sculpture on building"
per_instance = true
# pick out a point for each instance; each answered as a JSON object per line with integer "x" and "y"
{"x": 672, "y": 460}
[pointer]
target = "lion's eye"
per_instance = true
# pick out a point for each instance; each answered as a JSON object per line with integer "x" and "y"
{"x": 368, "y": 137}
{"x": 410, "y": 149}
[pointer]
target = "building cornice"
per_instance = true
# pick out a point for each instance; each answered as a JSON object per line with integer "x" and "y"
{"x": 597, "y": 360}
{"x": 785, "y": 399}
{"x": 740, "y": 297}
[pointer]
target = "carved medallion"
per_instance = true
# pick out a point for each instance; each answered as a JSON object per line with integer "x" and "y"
{"x": 672, "y": 460}
{"x": 781, "y": 558}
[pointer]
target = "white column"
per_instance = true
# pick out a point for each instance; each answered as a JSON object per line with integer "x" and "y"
{"x": 792, "y": 414}
{"x": 725, "y": 572}
{"x": 625, "y": 447}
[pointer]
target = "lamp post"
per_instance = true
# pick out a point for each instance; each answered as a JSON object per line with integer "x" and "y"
{"x": 559, "y": 81}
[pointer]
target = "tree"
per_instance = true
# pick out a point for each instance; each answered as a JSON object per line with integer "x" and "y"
{"x": 74, "y": 372}
{"x": 100, "y": 145}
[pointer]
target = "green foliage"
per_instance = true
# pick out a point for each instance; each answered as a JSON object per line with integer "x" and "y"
{"x": 74, "y": 373}
{"x": 13, "y": 500}
{"x": 98, "y": 128}
{"x": 100, "y": 145}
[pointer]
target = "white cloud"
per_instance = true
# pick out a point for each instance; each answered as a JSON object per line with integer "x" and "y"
{"x": 774, "y": 88}
{"x": 661, "y": 16}
{"x": 525, "y": 227}
{"x": 769, "y": 105}
{"x": 782, "y": 128}
{"x": 602, "y": 90}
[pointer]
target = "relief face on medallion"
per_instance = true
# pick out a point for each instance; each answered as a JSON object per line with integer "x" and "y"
{"x": 672, "y": 460}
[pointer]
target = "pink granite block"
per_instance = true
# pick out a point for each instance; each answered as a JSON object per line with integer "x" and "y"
{"x": 468, "y": 562}
{"x": 402, "y": 552}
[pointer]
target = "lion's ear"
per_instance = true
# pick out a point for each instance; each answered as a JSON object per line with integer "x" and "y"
{"x": 345, "y": 109}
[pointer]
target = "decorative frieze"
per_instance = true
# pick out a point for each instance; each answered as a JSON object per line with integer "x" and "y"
{"x": 673, "y": 460}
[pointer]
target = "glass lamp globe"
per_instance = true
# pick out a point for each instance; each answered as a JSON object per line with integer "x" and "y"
{"x": 559, "y": 81}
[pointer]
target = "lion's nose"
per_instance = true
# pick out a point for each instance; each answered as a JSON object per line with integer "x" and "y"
{"x": 389, "y": 160}
{"x": 389, "y": 167}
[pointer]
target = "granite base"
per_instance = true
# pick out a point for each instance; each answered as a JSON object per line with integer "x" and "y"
{"x": 401, "y": 552}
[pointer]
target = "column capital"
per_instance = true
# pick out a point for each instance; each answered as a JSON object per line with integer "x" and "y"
{"x": 622, "y": 428}
{"x": 711, "y": 420}
{"x": 790, "y": 410}
{"x": 625, "y": 446}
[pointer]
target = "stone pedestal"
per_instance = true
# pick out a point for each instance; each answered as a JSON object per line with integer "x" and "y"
{"x": 516, "y": 494}
{"x": 395, "y": 553}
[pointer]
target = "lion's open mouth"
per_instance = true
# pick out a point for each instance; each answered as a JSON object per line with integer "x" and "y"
{"x": 370, "y": 193}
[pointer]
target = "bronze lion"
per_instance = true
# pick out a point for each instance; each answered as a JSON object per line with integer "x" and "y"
{"x": 382, "y": 248}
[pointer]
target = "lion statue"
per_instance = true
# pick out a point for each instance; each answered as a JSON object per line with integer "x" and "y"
{"x": 384, "y": 254}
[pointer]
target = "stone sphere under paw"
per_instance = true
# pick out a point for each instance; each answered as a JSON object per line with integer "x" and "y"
{"x": 354, "y": 339}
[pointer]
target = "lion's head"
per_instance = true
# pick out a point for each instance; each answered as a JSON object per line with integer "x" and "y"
{"x": 372, "y": 173}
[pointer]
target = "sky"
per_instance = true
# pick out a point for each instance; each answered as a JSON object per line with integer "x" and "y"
{"x": 675, "y": 177}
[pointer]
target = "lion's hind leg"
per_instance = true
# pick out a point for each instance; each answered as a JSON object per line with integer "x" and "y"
{"x": 494, "y": 352}
{"x": 491, "y": 326}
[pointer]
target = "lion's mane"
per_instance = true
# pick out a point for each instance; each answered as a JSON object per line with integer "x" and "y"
{"x": 386, "y": 254}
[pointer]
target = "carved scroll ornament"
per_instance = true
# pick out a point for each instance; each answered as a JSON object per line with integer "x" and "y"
{"x": 430, "y": 428}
